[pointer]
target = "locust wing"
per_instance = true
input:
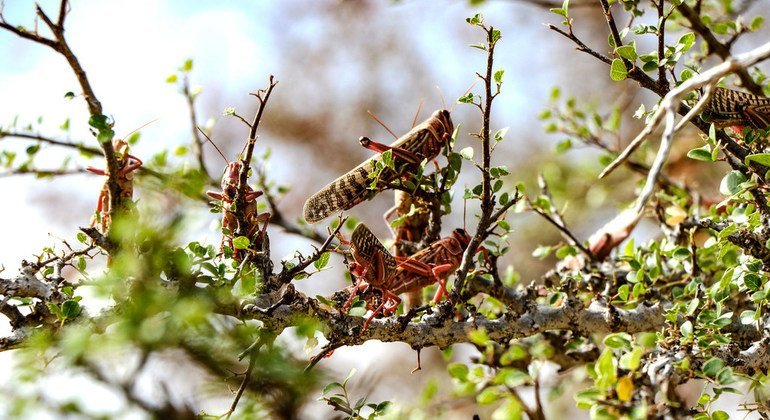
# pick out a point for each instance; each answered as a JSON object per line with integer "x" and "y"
{"x": 730, "y": 107}
{"x": 423, "y": 141}
{"x": 369, "y": 252}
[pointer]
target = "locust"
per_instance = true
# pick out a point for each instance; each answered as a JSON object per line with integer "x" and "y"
{"x": 256, "y": 223}
{"x": 423, "y": 142}
{"x": 733, "y": 108}
{"x": 128, "y": 164}
{"x": 375, "y": 267}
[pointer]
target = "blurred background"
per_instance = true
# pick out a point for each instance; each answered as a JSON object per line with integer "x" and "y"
{"x": 334, "y": 61}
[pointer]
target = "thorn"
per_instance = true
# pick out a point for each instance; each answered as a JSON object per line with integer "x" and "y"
{"x": 419, "y": 367}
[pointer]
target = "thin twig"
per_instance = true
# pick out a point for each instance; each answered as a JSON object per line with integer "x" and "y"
{"x": 197, "y": 141}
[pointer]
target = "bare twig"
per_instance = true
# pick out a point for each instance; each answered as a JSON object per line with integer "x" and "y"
{"x": 197, "y": 141}
{"x": 670, "y": 106}
{"x": 718, "y": 48}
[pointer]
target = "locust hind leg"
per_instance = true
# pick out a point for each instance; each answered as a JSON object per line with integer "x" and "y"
{"x": 438, "y": 272}
{"x": 388, "y": 306}
{"x": 398, "y": 152}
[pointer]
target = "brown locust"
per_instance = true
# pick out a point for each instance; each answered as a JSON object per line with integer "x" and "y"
{"x": 423, "y": 142}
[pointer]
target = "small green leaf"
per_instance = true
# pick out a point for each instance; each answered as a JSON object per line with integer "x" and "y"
{"x": 701, "y": 153}
{"x": 466, "y": 99}
{"x": 100, "y": 122}
{"x": 477, "y": 19}
{"x": 719, "y": 415}
{"x": 687, "y": 40}
{"x": 618, "y": 70}
{"x": 70, "y": 309}
{"x": 628, "y": 52}
{"x": 618, "y": 340}
{"x": 458, "y": 370}
{"x": 467, "y": 153}
{"x": 487, "y": 396}
{"x": 241, "y": 242}
{"x": 499, "y": 76}
{"x": 760, "y": 158}
{"x": 752, "y": 281}
{"x": 479, "y": 337}
{"x": 731, "y": 183}
{"x": 187, "y": 66}
{"x": 171, "y": 79}
{"x": 322, "y": 260}
{"x": 69, "y": 95}
{"x": 105, "y": 136}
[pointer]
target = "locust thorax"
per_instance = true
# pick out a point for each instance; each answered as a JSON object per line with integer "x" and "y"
{"x": 230, "y": 179}
{"x": 462, "y": 237}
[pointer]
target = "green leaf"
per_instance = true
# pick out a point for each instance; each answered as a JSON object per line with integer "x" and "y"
{"x": 100, "y": 122}
{"x": 70, "y": 309}
{"x": 725, "y": 376}
{"x": 618, "y": 70}
{"x": 322, "y": 260}
{"x": 171, "y": 79}
{"x": 756, "y": 23}
{"x": 542, "y": 251}
{"x": 331, "y": 386}
{"x": 731, "y": 183}
{"x": 477, "y": 19}
{"x": 606, "y": 370}
{"x": 241, "y": 242}
{"x": 350, "y": 375}
{"x": 229, "y": 111}
{"x": 187, "y": 66}
{"x": 686, "y": 329}
{"x": 618, "y": 340}
{"x": 487, "y": 396}
{"x": 559, "y": 11}
{"x": 458, "y": 370}
{"x": 479, "y": 337}
{"x": 686, "y": 41}
{"x": 498, "y": 76}
{"x": 752, "y": 281}
{"x": 720, "y": 415}
{"x": 105, "y": 136}
{"x": 69, "y": 95}
{"x": 632, "y": 360}
{"x": 701, "y": 153}
{"x": 467, "y": 99}
{"x": 467, "y": 153}
{"x": 760, "y": 158}
{"x": 628, "y": 52}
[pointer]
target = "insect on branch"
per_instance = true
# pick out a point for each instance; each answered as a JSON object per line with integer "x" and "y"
{"x": 670, "y": 106}
{"x": 60, "y": 45}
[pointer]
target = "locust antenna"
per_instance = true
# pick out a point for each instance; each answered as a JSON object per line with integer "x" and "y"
{"x": 141, "y": 127}
{"x": 466, "y": 92}
{"x": 371, "y": 114}
{"x": 417, "y": 114}
{"x": 441, "y": 95}
{"x": 213, "y": 144}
